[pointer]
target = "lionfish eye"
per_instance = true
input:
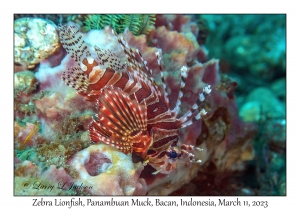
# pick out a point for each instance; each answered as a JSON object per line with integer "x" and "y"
{"x": 173, "y": 154}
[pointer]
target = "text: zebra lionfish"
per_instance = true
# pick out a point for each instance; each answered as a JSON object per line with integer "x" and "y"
{"x": 134, "y": 115}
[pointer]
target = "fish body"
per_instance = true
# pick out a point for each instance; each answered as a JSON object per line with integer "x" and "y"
{"x": 133, "y": 113}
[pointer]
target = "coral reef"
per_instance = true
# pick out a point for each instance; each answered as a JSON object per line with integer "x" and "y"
{"x": 108, "y": 171}
{"x": 56, "y": 18}
{"x": 24, "y": 83}
{"x": 52, "y": 128}
{"x": 31, "y": 180}
{"x": 25, "y": 135}
{"x": 255, "y": 44}
{"x": 34, "y": 40}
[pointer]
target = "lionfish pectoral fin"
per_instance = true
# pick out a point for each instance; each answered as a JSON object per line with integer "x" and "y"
{"x": 109, "y": 59}
{"x": 73, "y": 42}
{"x": 76, "y": 78}
{"x": 121, "y": 119}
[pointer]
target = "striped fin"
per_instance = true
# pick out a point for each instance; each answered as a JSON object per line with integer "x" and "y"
{"x": 122, "y": 122}
{"x": 162, "y": 78}
{"x": 183, "y": 76}
{"x": 109, "y": 59}
{"x": 149, "y": 71}
{"x": 136, "y": 67}
{"x": 162, "y": 139}
{"x": 73, "y": 43}
{"x": 76, "y": 79}
{"x": 186, "y": 118}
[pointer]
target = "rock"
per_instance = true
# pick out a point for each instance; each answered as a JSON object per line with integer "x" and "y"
{"x": 251, "y": 111}
{"x": 271, "y": 106}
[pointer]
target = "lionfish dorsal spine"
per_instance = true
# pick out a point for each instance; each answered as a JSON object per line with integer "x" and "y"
{"x": 187, "y": 118}
{"x": 183, "y": 76}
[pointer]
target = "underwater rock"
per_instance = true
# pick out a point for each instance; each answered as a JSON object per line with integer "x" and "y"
{"x": 279, "y": 89}
{"x": 180, "y": 23}
{"x": 59, "y": 111}
{"x": 108, "y": 171}
{"x": 25, "y": 136}
{"x": 31, "y": 180}
{"x": 251, "y": 111}
{"x": 249, "y": 43}
{"x": 24, "y": 83}
{"x": 35, "y": 39}
{"x": 270, "y": 104}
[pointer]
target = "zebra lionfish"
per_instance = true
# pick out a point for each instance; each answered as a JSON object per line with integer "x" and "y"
{"x": 134, "y": 114}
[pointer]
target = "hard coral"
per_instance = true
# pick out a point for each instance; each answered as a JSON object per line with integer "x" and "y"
{"x": 59, "y": 151}
{"x": 35, "y": 40}
{"x": 63, "y": 115}
{"x": 24, "y": 83}
{"x": 108, "y": 171}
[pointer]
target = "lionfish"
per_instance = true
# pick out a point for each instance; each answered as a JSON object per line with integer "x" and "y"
{"x": 134, "y": 113}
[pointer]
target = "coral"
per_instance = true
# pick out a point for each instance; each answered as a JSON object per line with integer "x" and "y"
{"x": 31, "y": 180}
{"x": 108, "y": 171}
{"x": 25, "y": 136}
{"x": 179, "y": 23}
{"x": 250, "y": 44}
{"x": 278, "y": 87}
{"x": 165, "y": 185}
{"x": 270, "y": 147}
{"x": 63, "y": 117}
{"x": 269, "y": 103}
{"x": 137, "y": 24}
{"x": 52, "y": 154}
{"x": 35, "y": 39}
{"x": 56, "y": 18}
{"x": 58, "y": 152}
{"x": 27, "y": 168}
{"x": 25, "y": 86}
{"x": 24, "y": 83}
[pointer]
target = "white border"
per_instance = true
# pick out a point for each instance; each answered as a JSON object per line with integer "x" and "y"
{"x": 153, "y": 6}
